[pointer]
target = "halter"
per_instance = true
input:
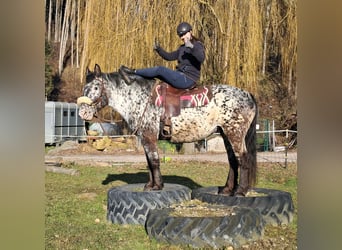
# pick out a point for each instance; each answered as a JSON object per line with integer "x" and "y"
{"x": 100, "y": 98}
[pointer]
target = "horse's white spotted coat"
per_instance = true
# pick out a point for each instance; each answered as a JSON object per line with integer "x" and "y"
{"x": 231, "y": 109}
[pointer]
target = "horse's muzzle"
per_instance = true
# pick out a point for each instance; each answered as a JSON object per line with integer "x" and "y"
{"x": 86, "y": 112}
{"x": 84, "y": 99}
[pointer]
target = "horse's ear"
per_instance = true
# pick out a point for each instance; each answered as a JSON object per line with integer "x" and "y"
{"x": 88, "y": 72}
{"x": 97, "y": 70}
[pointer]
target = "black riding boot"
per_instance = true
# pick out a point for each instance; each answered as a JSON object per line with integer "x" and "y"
{"x": 125, "y": 72}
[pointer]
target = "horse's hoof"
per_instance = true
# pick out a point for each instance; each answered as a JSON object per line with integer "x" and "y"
{"x": 240, "y": 193}
{"x": 156, "y": 188}
{"x": 148, "y": 187}
{"x": 225, "y": 191}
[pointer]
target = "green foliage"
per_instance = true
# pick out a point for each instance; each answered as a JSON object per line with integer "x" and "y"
{"x": 48, "y": 148}
{"x": 167, "y": 146}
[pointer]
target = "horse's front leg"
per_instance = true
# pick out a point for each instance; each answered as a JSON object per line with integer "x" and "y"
{"x": 232, "y": 178}
{"x": 151, "y": 151}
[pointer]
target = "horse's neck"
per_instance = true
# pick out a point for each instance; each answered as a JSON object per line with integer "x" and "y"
{"x": 129, "y": 100}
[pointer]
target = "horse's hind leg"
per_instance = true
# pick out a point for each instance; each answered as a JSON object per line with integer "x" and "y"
{"x": 241, "y": 151}
{"x": 237, "y": 156}
{"x": 244, "y": 176}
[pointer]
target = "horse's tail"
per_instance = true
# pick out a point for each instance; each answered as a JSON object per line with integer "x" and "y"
{"x": 251, "y": 148}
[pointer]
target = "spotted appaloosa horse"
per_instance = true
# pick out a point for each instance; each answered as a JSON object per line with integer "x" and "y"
{"x": 231, "y": 111}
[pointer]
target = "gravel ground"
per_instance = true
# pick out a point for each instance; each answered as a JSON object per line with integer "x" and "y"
{"x": 73, "y": 152}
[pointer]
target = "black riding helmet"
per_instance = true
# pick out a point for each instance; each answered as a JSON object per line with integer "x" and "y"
{"x": 183, "y": 28}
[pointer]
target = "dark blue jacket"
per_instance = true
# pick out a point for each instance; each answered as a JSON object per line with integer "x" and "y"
{"x": 189, "y": 59}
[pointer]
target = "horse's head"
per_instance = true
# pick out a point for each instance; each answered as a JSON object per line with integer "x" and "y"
{"x": 94, "y": 95}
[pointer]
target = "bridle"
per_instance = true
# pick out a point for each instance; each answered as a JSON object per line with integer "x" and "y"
{"x": 103, "y": 98}
{"x": 102, "y": 94}
{"x": 100, "y": 99}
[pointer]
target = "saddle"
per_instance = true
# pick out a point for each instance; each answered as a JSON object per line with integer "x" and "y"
{"x": 173, "y": 100}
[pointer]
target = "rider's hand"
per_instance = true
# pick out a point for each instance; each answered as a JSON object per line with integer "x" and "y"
{"x": 188, "y": 44}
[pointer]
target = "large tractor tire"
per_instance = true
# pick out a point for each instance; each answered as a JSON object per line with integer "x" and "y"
{"x": 129, "y": 204}
{"x": 275, "y": 206}
{"x": 241, "y": 226}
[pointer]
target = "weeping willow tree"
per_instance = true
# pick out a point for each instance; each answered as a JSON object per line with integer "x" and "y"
{"x": 233, "y": 38}
{"x": 123, "y": 32}
{"x": 284, "y": 28}
{"x": 246, "y": 40}
{"x": 240, "y": 37}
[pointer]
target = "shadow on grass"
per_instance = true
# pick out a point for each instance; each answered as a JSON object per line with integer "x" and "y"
{"x": 142, "y": 177}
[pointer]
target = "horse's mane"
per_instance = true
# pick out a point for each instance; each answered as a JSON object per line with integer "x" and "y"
{"x": 115, "y": 77}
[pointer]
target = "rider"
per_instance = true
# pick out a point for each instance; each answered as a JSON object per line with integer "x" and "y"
{"x": 190, "y": 56}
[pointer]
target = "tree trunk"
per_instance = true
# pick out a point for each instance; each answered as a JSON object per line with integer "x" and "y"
{"x": 64, "y": 36}
{"x": 49, "y": 21}
{"x": 72, "y": 33}
{"x": 58, "y": 12}
{"x": 267, "y": 24}
{"x": 78, "y": 33}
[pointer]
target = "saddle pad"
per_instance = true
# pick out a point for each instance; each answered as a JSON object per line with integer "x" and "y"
{"x": 197, "y": 97}
{"x": 195, "y": 100}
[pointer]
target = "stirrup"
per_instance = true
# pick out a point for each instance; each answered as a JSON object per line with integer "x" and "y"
{"x": 165, "y": 130}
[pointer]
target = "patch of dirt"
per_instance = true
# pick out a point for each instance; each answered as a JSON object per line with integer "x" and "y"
{"x": 87, "y": 196}
{"x": 101, "y": 146}
{"x": 197, "y": 208}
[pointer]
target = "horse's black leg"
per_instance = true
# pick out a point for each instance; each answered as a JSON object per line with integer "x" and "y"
{"x": 244, "y": 173}
{"x": 232, "y": 178}
{"x": 149, "y": 184}
{"x": 248, "y": 160}
{"x": 151, "y": 151}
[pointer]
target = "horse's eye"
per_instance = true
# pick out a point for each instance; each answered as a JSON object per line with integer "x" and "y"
{"x": 96, "y": 88}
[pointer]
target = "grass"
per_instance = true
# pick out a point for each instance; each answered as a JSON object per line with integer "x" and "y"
{"x": 76, "y": 205}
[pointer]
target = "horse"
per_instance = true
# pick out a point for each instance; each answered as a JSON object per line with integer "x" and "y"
{"x": 231, "y": 111}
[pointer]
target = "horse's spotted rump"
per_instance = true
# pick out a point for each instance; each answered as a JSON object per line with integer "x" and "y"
{"x": 232, "y": 111}
{"x": 236, "y": 113}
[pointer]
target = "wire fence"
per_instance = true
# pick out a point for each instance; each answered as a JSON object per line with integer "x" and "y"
{"x": 276, "y": 146}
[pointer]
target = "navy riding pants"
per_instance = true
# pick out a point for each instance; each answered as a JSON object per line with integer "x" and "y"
{"x": 176, "y": 78}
